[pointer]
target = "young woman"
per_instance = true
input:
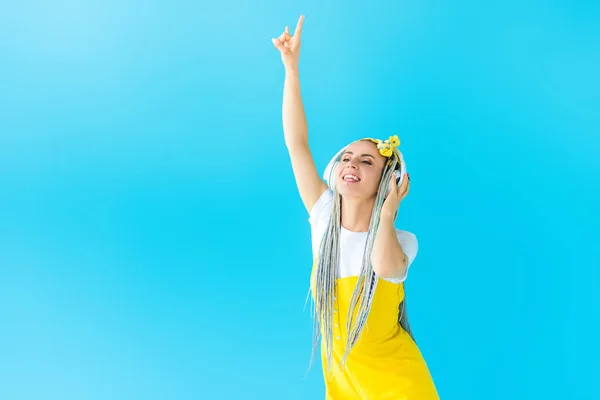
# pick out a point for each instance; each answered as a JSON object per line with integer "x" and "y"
{"x": 361, "y": 259}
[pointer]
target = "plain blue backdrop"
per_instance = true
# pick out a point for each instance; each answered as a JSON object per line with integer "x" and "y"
{"x": 152, "y": 241}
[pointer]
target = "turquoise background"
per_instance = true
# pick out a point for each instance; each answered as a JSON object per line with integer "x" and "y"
{"x": 152, "y": 241}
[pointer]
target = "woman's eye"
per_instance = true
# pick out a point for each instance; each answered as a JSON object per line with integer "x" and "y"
{"x": 367, "y": 162}
{"x": 346, "y": 159}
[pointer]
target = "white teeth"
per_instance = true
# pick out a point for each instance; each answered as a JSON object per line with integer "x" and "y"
{"x": 351, "y": 177}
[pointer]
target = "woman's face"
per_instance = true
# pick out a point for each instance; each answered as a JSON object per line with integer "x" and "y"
{"x": 360, "y": 169}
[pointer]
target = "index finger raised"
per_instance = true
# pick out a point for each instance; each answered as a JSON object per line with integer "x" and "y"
{"x": 298, "y": 31}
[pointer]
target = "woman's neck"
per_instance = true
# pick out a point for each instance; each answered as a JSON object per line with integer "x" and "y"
{"x": 356, "y": 213}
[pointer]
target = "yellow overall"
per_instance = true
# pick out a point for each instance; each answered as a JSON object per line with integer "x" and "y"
{"x": 385, "y": 363}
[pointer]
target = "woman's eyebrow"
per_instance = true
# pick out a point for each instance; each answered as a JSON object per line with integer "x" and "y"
{"x": 362, "y": 155}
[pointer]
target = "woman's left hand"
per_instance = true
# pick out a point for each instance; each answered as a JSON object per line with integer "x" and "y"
{"x": 397, "y": 194}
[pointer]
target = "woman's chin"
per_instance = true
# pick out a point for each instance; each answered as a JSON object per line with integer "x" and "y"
{"x": 351, "y": 190}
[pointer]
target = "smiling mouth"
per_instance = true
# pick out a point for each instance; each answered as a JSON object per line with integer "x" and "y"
{"x": 350, "y": 178}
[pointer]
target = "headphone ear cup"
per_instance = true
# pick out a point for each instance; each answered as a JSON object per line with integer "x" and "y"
{"x": 329, "y": 173}
{"x": 398, "y": 176}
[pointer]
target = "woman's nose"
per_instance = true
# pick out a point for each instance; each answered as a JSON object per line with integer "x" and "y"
{"x": 353, "y": 164}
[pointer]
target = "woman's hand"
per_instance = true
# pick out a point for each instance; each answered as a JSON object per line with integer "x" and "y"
{"x": 289, "y": 46}
{"x": 397, "y": 194}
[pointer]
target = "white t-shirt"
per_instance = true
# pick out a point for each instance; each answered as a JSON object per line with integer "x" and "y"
{"x": 352, "y": 244}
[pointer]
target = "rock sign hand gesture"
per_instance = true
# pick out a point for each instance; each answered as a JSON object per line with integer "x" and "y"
{"x": 289, "y": 46}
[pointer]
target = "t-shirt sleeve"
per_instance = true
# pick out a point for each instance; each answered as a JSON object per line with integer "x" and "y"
{"x": 321, "y": 211}
{"x": 410, "y": 246}
{"x": 408, "y": 242}
{"x": 319, "y": 218}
